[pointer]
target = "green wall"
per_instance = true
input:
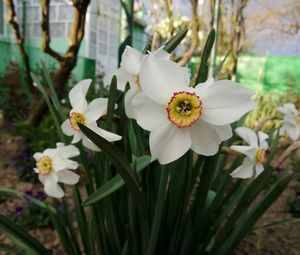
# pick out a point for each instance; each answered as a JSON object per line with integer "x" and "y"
{"x": 85, "y": 67}
{"x": 267, "y": 73}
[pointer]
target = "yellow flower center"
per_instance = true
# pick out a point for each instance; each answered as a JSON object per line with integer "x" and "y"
{"x": 260, "y": 155}
{"x": 184, "y": 108}
{"x": 138, "y": 80}
{"x": 44, "y": 165}
{"x": 77, "y": 117}
{"x": 298, "y": 120}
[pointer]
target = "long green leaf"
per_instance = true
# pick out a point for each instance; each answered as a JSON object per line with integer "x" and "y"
{"x": 119, "y": 160}
{"x": 9, "y": 249}
{"x": 21, "y": 237}
{"x": 203, "y": 69}
{"x": 250, "y": 218}
{"x": 175, "y": 41}
{"x": 116, "y": 182}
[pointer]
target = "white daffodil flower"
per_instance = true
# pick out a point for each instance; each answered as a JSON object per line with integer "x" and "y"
{"x": 53, "y": 166}
{"x": 180, "y": 117}
{"x": 129, "y": 72}
{"x": 86, "y": 114}
{"x": 255, "y": 153}
{"x": 290, "y": 122}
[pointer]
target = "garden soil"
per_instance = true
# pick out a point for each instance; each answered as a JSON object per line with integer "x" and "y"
{"x": 274, "y": 240}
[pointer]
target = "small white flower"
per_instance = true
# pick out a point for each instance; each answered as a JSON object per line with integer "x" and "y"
{"x": 129, "y": 72}
{"x": 86, "y": 114}
{"x": 180, "y": 117}
{"x": 290, "y": 122}
{"x": 53, "y": 166}
{"x": 255, "y": 152}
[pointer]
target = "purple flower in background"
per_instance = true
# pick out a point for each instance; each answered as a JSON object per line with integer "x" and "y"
{"x": 279, "y": 170}
{"x": 19, "y": 211}
{"x": 40, "y": 195}
{"x": 298, "y": 195}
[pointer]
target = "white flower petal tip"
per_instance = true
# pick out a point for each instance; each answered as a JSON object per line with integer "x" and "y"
{"x": 255, "y": 153}
{"x": 84, "y": 113}
{"x": 290, "y": 123}
{"x": 53, "y": 166}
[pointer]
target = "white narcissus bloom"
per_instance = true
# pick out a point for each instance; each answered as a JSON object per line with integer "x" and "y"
{"x": 180, "y": 117}
{"x": 129, "y": 72}
{"x": 53, "y": 166}
{"x": 86, "y": 114}
{"x": 290, "y": 122}
{"x": 255, "y": 153}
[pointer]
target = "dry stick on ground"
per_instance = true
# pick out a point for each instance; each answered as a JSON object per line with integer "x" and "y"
{"x": 286, "y": 154}
{"x": 68, "y": 61}
{"x": 195, "y": 38}
{"x": 11, "y": 19}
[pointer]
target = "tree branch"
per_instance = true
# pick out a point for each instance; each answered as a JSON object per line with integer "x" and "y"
{"x": 46, "y": 33}
{"x": 195, "y": 38}
{"x": 11, "y": 19}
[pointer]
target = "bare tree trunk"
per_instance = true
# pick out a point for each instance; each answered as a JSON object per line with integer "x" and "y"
{"x": 67, "y": 62}
{"x": 195, "y": 38}
{"x": 11, "y": 19}
{"x": 237, "y": 32}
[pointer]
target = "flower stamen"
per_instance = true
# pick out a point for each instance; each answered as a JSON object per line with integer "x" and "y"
{"x": 184, "y": 108}
{"x": 138, "y": 80}
{"x": 260, "y": 155}
{"x": 44, "y": 165}
{"x": 75, "y": 118}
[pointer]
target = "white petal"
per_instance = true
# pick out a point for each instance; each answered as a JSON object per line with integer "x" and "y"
{"x": 259, "y": 168}
{"x": 149, "y": 115}
{"x": 248, "y": 151}
{"x": 37, "y": 156}
{"x": 210, "y": 81}
{"x": 129, "y": 108}
{"x": 42, "y": 178}
{"x": 52, "y": 188}
{"x": 160, "y": 53}
{"x": 89, "y": 144}
{"x": 68, "y": 151}
{"x": 50, "y": 152}
{"x": 60, "y": 163}
{"x": 262, "y": 137}
{"x": 248, "y": 135}
{"x": 111, "y": 137}
{"x": 161, "y": 78}
{"x": 245, "y": 170}
{"x": 206, "y": 138}
{"x": 123, "y": 77}
{"x": 77, "y": 95}
{"x": 96, "y": 109}
{"x": 169, "y": 143}
{"x": 292, "y": 130}
{"x": 68, "y": 177}
{"x": 67, "y": 128}
{"x": 225, "y": 102}
{"x": 77, "y": 137}
{"x": 131, "y": 60}
{"x": 288, "y": 109}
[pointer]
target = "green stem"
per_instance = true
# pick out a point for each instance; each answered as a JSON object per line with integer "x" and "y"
{"x": 158, "y": 210}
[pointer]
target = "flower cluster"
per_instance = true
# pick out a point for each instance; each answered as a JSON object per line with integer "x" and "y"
{"x": 178, "y": 116}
